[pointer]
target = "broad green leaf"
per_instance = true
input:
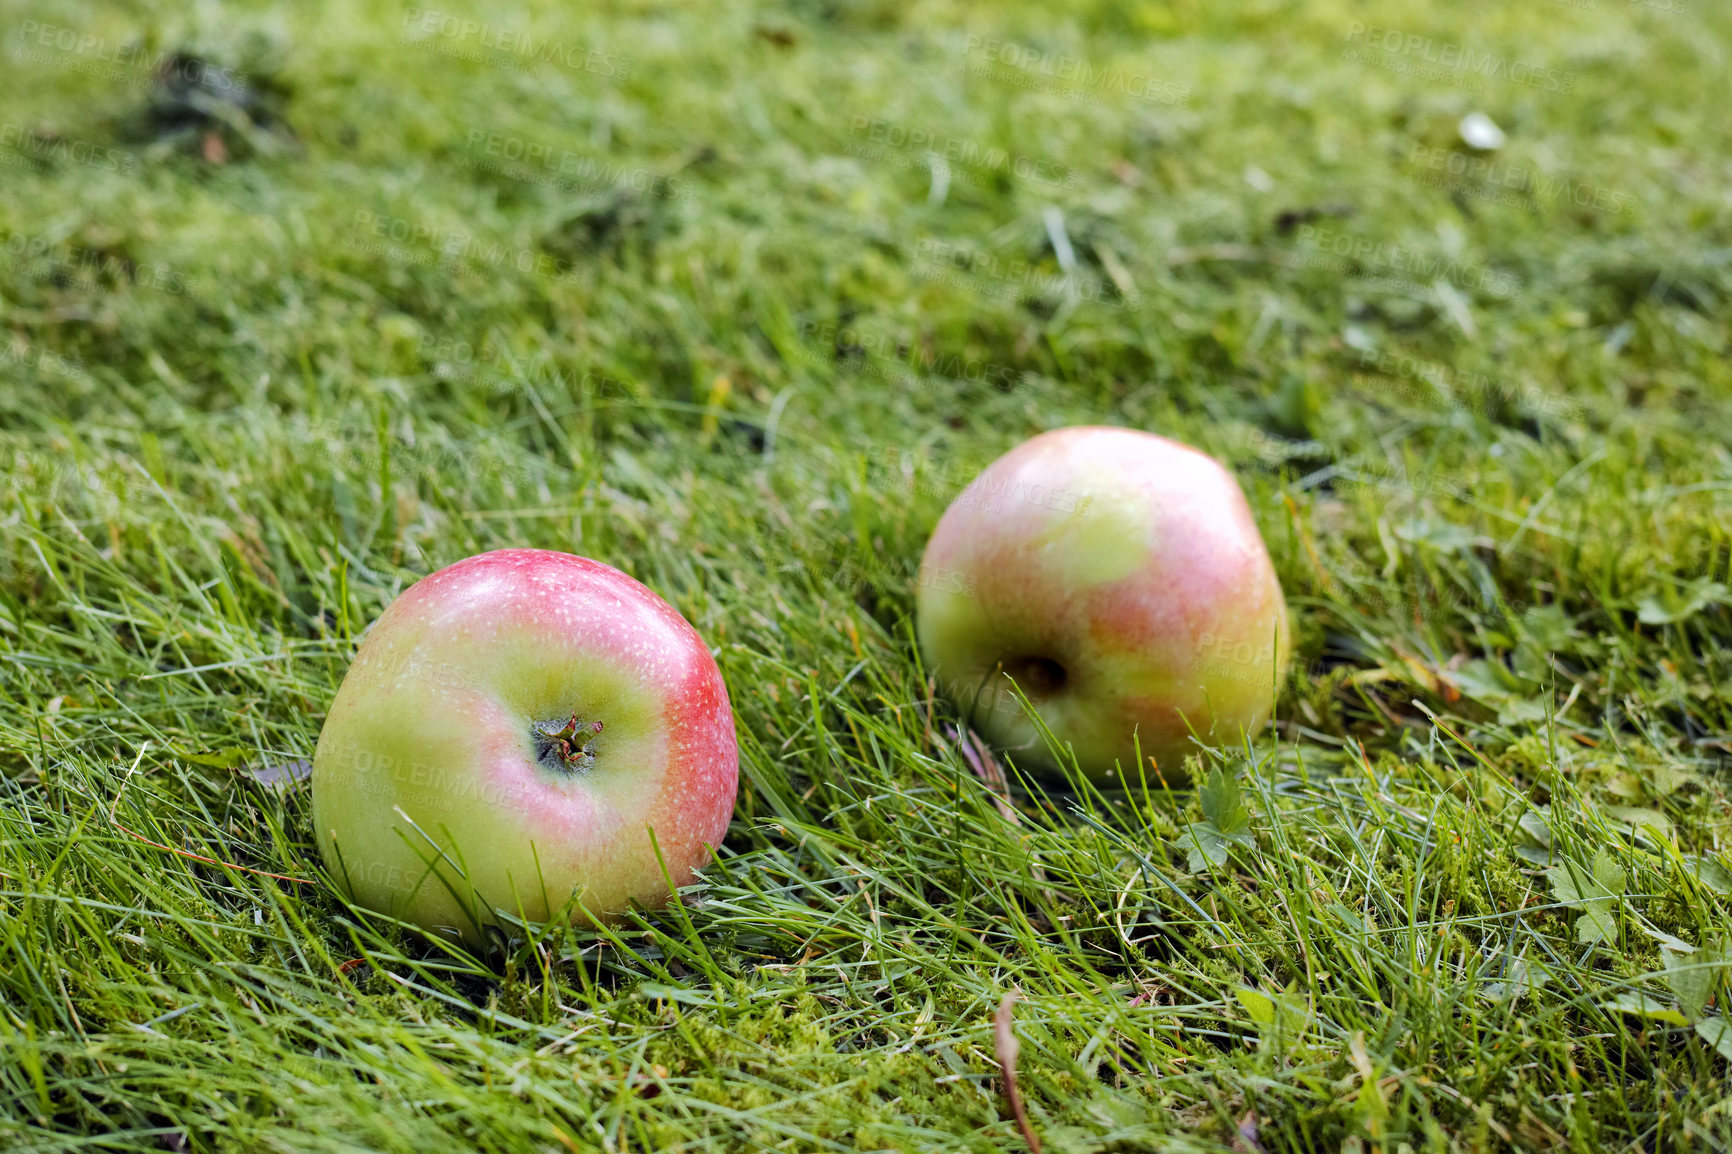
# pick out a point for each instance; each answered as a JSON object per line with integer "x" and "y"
{"x": 1666, "y": 940}
{"x": 1206, "y": 847}
{"x": 1549, "y": 628}
{"x": 1531, "y": 662}
{"x": 1112, "y": 1112}
{"x": 1520, "y": 977}
{"x": 1572, "y": 886}
{"x": 227, "y": 757}
{"x": 1609, "y": 874}
{"x": 1669, "y": 607}
{"x": 1281, "y": 1018}
{"x": 1646, "y": 1007}
{"x": 1566, "y": 886}
{"x": 1444, "y": 536}
{"x": 1666, "y": 780}
{"x": 1259, "y": 1005}
{"x": 1596, "y": 925}
{"x": 1533, "y": 823}
{"x": 1651, "y": 819}
{"x": 657, "y": 990}
{"x": 1223, "y": 804}
{"x": 1593, "y": 894}
{"x": 1535, "y": 857}
{"x": 1492, "y": 683}
{"x": 1488, "y": 681}
{"x": 1710, "y": 873}
{"x": 1350, "y": 918}
{"x": 1717, "y": 1032}
{"x": 1692, "y": 979}
{"x": 1516, "y": 710}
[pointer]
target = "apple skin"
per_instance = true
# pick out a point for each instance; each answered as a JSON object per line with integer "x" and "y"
{"x": 1119, "y": 578}
{"x": 438, "y": 718}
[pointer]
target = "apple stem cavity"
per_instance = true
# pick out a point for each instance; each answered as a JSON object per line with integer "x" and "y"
{"x": 564, "y": 745}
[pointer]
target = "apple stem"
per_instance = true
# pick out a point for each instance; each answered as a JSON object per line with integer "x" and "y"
{"x": 569, "y": 741}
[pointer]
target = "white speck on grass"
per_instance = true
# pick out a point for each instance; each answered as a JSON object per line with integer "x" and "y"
{"x": 1480, "y": 131}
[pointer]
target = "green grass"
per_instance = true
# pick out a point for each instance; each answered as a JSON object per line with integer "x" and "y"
{"x": 1470, "y": 892}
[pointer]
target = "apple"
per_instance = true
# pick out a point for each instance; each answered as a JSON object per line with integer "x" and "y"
{"x": 510, "y": 733}
{"x": 1118, "y": 579}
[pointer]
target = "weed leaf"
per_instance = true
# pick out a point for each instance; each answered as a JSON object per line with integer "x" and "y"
{"x": 1223, "y": 804}
{"x": 1717, "y": 1032}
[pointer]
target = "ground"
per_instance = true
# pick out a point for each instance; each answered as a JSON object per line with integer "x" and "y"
{"x": 302, "y": 303}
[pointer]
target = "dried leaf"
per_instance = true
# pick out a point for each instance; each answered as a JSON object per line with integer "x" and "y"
{"x": 1005, "y": 1043}
{"x": 1247, "y": 1139}
{"x": 986, "y": 768}
{"x": 283, "y": 773}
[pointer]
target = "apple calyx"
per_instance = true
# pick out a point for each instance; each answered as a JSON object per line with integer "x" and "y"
{"x": 1039, "y": 677}
{"x": 565, "y": 744}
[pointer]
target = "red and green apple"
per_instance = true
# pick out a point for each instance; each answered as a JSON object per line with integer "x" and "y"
{"x": 512, "y": 730}
{"x": 1119, "y": 579}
